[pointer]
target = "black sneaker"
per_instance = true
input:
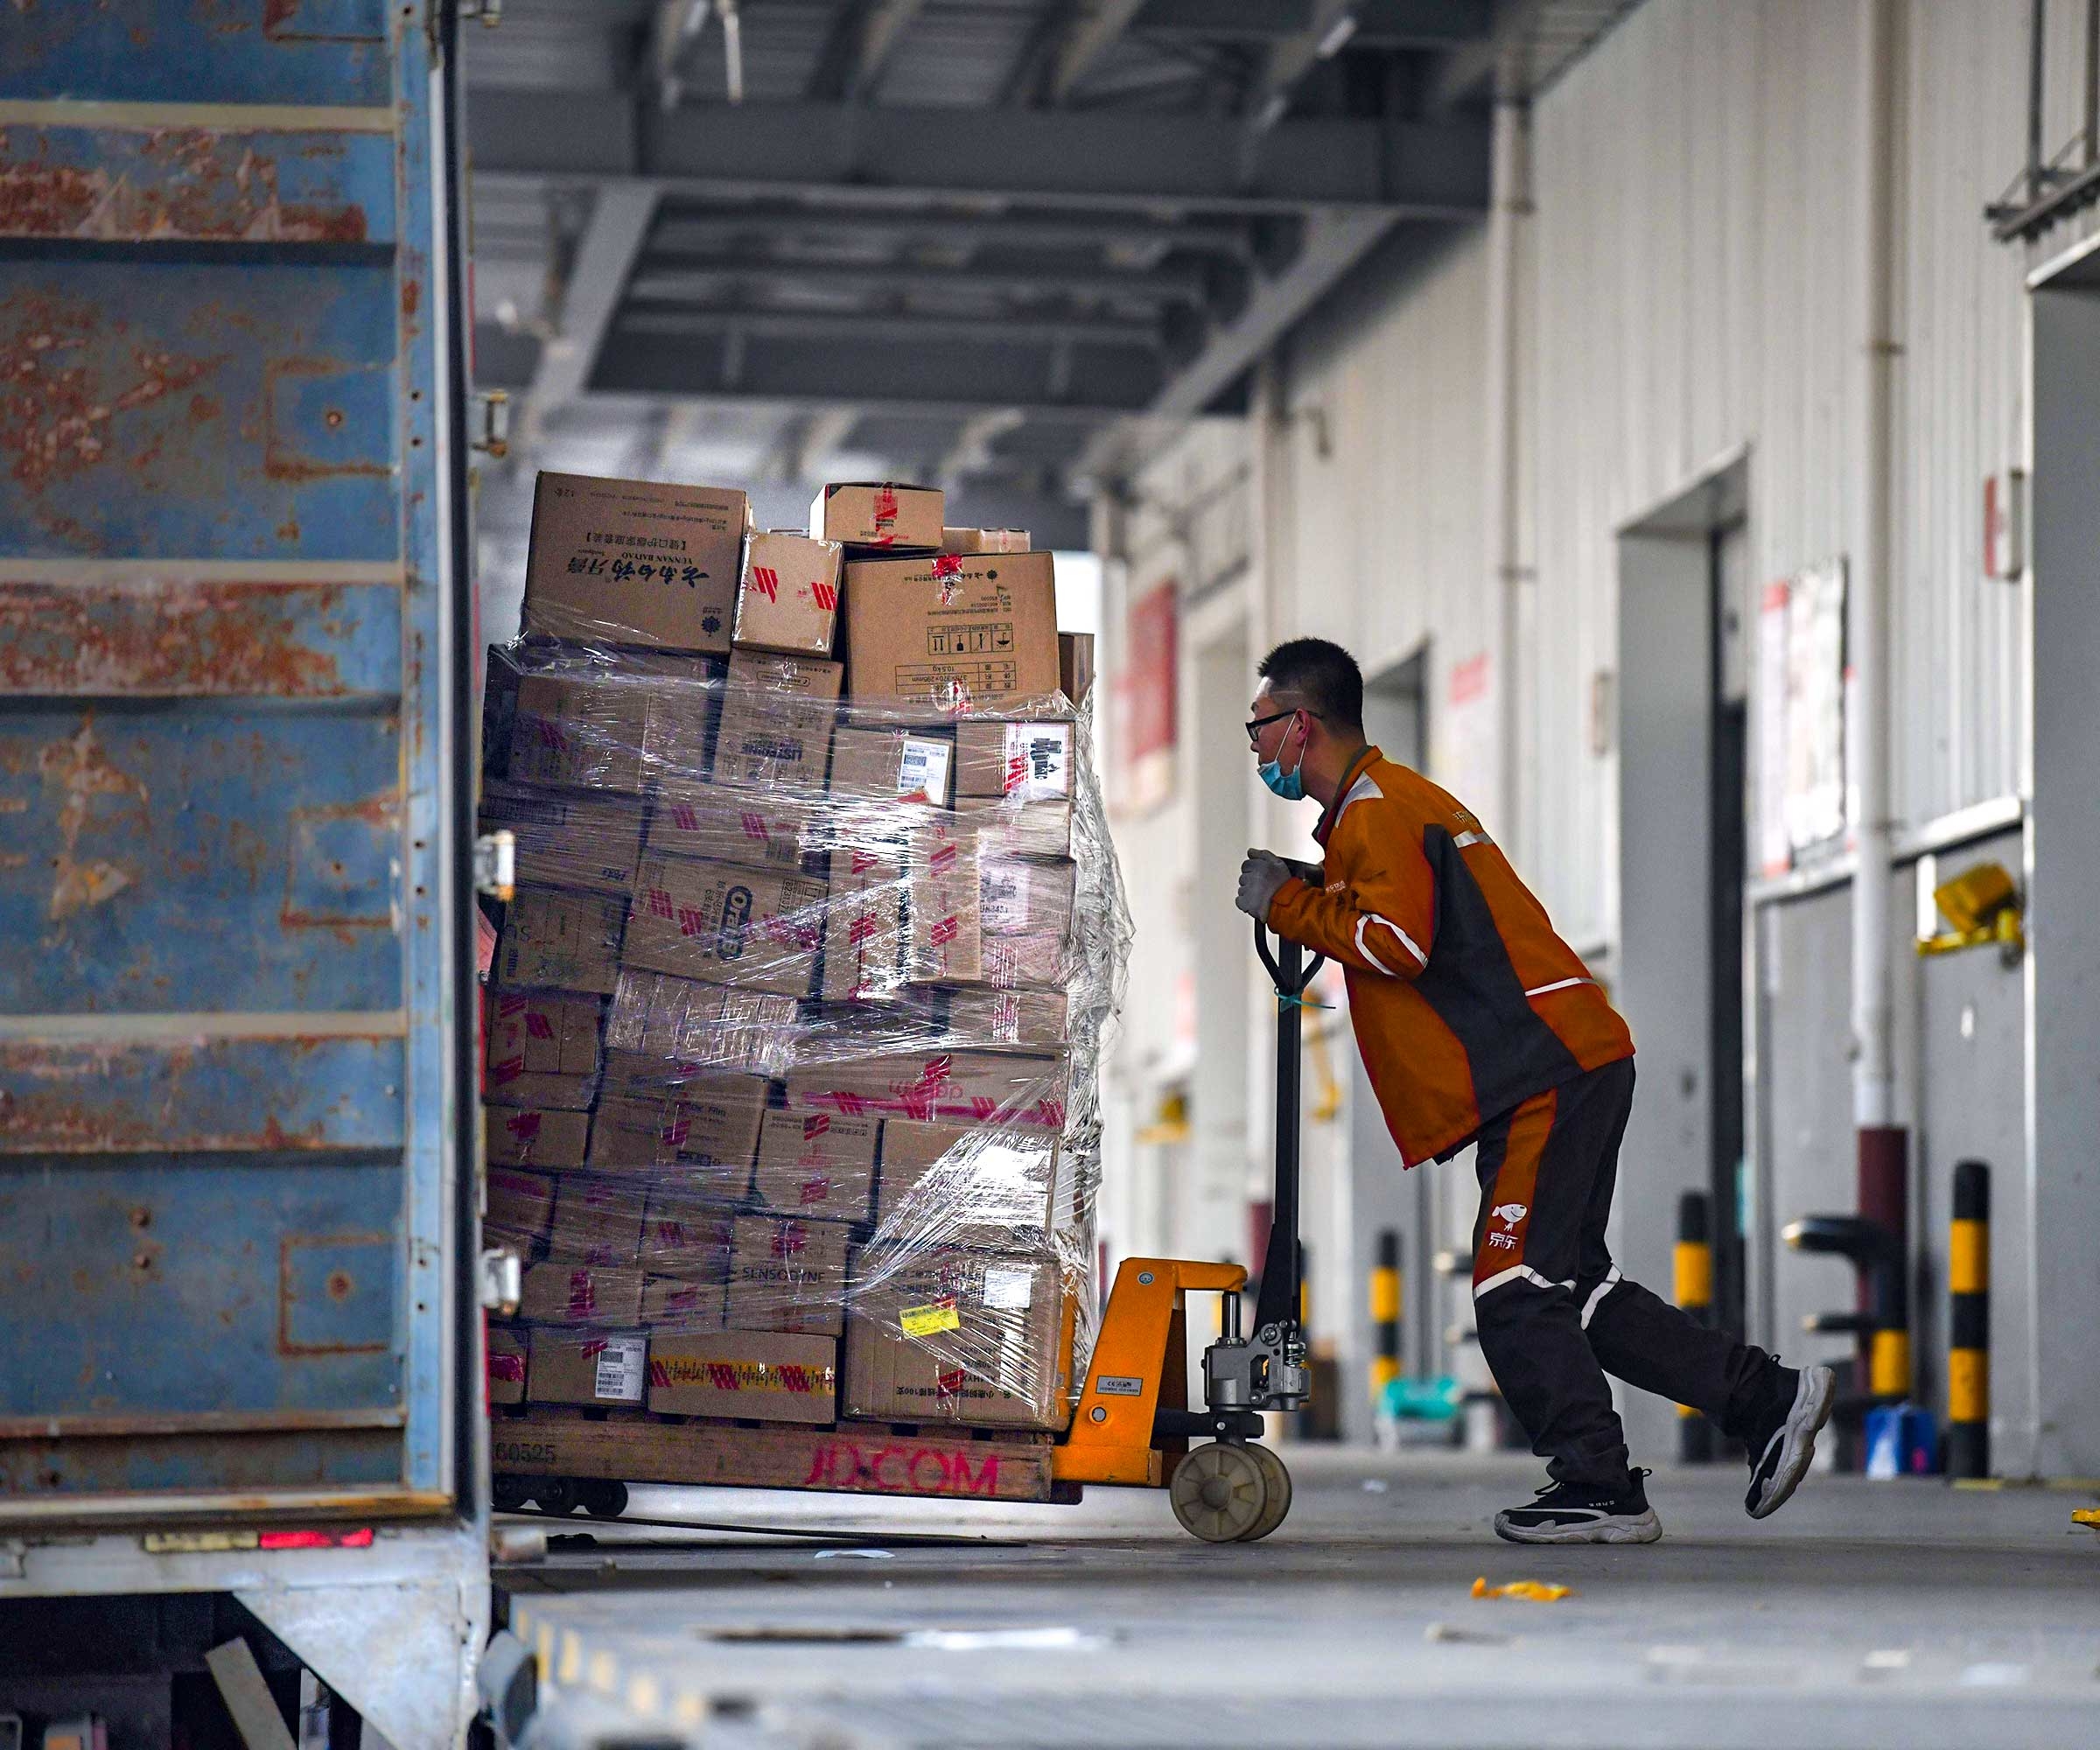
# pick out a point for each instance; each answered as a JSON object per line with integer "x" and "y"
{"x": 1782, "y": 1445}
{"x": 1583, "y": 1513}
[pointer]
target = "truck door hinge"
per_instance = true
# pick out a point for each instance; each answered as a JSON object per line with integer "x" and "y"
{"x": 502, "y": 1281}
{"x": 493, "y": 437}
{"x": 496, "y": 865}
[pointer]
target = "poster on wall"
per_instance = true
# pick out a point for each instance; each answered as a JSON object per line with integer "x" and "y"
{"x": 1466, "y": 751}
{"x": 1800, "y": 706}
{"x": 1147, "y": 698}
{"x": 1769, "y": 701}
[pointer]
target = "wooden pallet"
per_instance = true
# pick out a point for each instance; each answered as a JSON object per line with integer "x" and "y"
{"x": 846, "y": 1458}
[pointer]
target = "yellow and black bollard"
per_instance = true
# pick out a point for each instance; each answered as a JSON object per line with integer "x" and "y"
{"x": 1385, "y": 1316}
{"x": 1968, "y": 1324}
{"x": 1693, "y": 1269}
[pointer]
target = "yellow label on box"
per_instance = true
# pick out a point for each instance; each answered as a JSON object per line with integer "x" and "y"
{"x": 928, "y": 1320}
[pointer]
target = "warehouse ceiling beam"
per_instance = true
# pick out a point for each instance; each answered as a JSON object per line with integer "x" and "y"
{"x": 687, "y": 230}
{"x": 959, "y": 378}
{"x": 1429, "y": 25}
{"x": 604, "y": 256}
{"x": 1090, "y": 35}
{"x": 891, "y": 329}
{"x": 1473, "y": 72}
{"x": 863, "y": 37}
{"x": 698, "y": 281}
{"x": 1159, "y": 165}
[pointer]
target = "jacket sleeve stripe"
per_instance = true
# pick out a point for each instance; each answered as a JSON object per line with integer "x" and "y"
{"x": 1406, "y": 941}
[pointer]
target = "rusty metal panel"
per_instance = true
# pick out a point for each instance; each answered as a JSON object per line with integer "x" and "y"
{"x": 229, "y": 1116}
{"x": 199, "y": 858}
{"x": 205, "y": 1092}
{"x": 196, "y": 185}
{"x": 307, "y": 51}
{"x": 159, "y": 407}
{"x": 196, "y": 632}
{"x": 265, "y": 1289}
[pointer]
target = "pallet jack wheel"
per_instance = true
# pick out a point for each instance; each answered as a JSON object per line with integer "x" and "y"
{"x": 602, "y": 1499}
{"x": 1221, "y": 1492}
{"x": 1276, "y": 1502}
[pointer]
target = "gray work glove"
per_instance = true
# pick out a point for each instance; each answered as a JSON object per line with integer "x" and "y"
{"x": 1260, "y": 875}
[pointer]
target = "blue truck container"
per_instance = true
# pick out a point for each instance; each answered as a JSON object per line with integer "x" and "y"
{"x": 237, "y": 1115}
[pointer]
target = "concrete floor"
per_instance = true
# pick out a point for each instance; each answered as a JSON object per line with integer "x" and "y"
{"x": 1864, "y": 1615}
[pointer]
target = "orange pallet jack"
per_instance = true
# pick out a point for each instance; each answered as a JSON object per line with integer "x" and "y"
{"x": 1133, "y": 1425}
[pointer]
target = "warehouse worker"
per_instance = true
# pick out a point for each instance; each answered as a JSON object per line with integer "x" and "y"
{"x": 1479, "y": 1026}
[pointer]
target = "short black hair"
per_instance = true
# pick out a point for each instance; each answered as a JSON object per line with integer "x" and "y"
{"x": 1323, "y": 675}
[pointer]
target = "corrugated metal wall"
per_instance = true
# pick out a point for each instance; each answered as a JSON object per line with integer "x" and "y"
{"x": 1695, "y": 257}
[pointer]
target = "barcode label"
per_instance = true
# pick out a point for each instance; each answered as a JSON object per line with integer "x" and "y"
{"x": 1039, "y": 761}
{"x": 622, "y": 1374}
{"x": 922, "y": 769}
{"x": 1008, "y": 1289}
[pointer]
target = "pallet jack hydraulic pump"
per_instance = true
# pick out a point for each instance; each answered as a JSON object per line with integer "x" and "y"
{"x": 1134, "y": 1424}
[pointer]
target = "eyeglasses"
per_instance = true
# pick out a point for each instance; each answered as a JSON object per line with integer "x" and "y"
{"x": 1255, "y": 725}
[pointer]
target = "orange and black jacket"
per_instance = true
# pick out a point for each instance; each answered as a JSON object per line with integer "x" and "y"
{"x": 1464, "y": 1001}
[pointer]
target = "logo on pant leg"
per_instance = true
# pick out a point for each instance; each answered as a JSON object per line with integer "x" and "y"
{"x": 1510, "y": 1213}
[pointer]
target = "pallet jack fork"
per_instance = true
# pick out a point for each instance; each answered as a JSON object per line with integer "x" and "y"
{"x": 1133, "y": 1425}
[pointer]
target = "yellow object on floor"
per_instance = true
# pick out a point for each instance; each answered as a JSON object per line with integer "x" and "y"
{"x": 1532, "y": 1591}
{"x": 2086, "y": 1516}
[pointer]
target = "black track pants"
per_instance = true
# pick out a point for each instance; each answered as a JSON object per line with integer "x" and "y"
{"x": 1554, "y": 1314}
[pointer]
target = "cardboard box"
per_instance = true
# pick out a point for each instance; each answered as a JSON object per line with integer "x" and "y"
{"x": 727, "y": 922}
{"x": 500, "y": 673}
{"x": 633, "y": 562}
{"x": 1040, "y": 958}
{"x": 544, "y": 1093}
{"x": 972, "y": 1087}
{"x": 952, "y": 631}
{"x": 975, "y": 1338}
{"x": 671, "y": 1302}
{"x": 942, "y": 902}
{"x": 817, "y": 1164}
{"x": 560, "y": 941}
{"x": 966, "y": 1185}
{"x": 864, "y": 927}
{"x": 598, "y": 1220}
{"x": 787, "y": 1275}
{"x": 893, "y": 765}
{"x": 567, "y": 840}
{"x": 1075, "y": 665}
{"x": 536, "y": 1136}
{"x": 1009, "y": 829}
{"x": 984, "y": 541}
{"x": 776, "y": 720}
{"x": 1028, "y": 762}
{"x": 603, "y": 1369}
{"x": 540, "y": 1033}
{"x": 687, "y": 1235}
{"x": 780, "y": 830}
{"x": 506, "y": 1365}
{"x": 753, "y": 1376}
{"x": 1033, "y": 1020}
{"x": 612, "y": 731}
{"x": 710, "y": 1140}
{"x": 568, "y": 1291}
{"x": 690, "y": 1028}
{"x": 788, "y": 597}
{"x": 883, "y": 514}
{"x": 1019, "y": 897}
{"x": 521, "y": 1207}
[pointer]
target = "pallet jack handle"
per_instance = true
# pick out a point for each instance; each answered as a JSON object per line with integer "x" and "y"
{"x": 1280, "y": 1269}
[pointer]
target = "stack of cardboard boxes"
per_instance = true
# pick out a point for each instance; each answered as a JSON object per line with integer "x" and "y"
{"x": 777, "y": 1030}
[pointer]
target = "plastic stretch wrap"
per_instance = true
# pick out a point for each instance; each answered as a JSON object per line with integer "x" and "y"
{"x": 793, "y": 1033}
